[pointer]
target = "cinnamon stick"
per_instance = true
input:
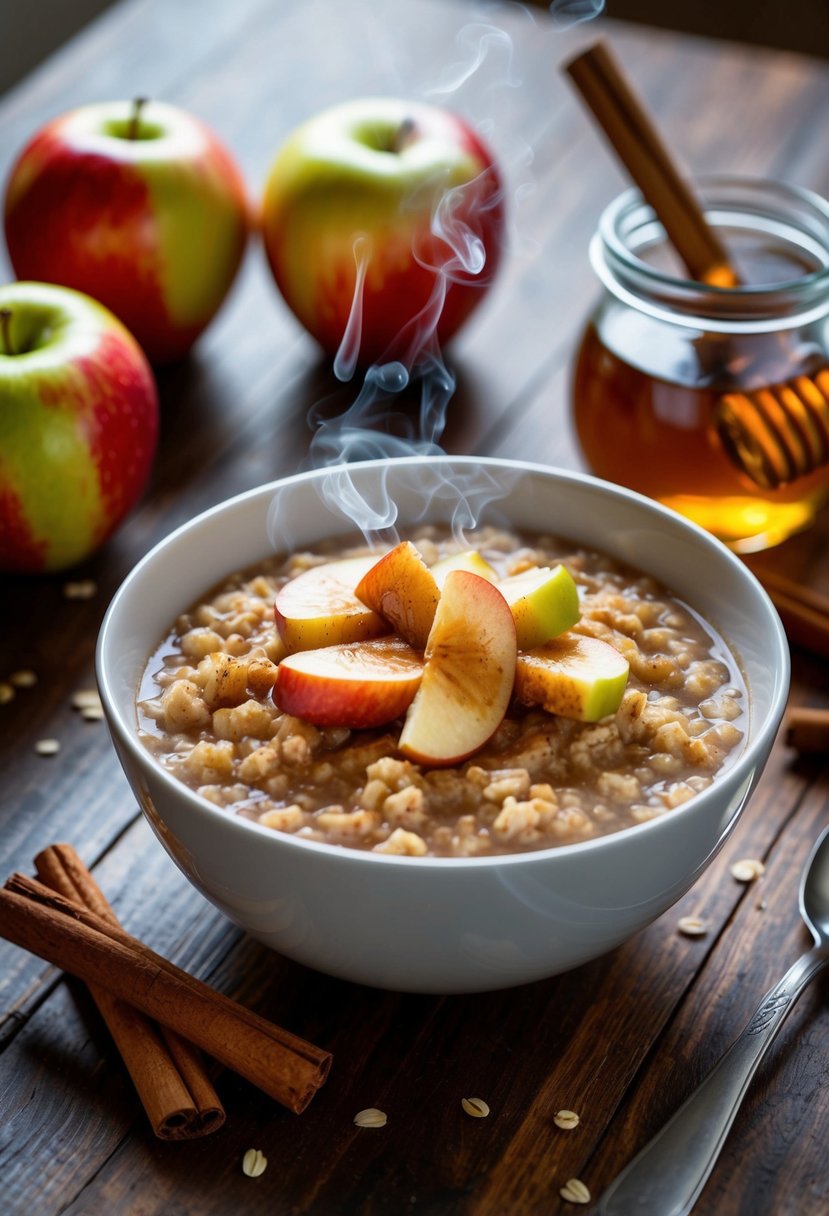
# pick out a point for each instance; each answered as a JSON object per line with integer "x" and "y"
{"x": 644, "y": 154}
{"x": 286, "y": 1067}
{"x": 807, "y": 730}
{"x": 168, "y": 1073}
{"x": 803, "y": 611}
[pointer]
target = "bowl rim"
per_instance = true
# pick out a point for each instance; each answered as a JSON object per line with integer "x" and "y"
{"x": 750, "y": 757}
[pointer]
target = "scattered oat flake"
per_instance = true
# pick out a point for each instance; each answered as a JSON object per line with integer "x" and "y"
{"x": 23, "y": 679}
{"x": 574, "y": 1191}
{"x": 692, "y": 926}
{"x": 6, "y": 693}
{"x": 747, "y": 870}
{"x": 84, "y": 589}
{"x": 371, "y": 1117}
{"x": 86, "y": 698}
{"x": 254, "y": 1163}
{"x": 566, "y": 1119}
{"x": 92, "y": 713}
{"x": 47, "y": 747}
{"x": 476, "y": 1107}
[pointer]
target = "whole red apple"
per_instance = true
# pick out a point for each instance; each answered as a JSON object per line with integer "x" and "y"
{"x": 78, "y": 425}
{"x": 383, "y": 222}
{"x": 140, "y": 206}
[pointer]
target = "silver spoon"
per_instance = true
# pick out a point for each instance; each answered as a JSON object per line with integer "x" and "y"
{"x": 666, "y": 1178}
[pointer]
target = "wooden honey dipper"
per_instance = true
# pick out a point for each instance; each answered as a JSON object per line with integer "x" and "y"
{"x": 778, "y": 433}
{"x": 775, "y": 434}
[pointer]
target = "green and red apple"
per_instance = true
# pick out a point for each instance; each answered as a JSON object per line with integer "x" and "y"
{"x": 383, "y": 222}
{"x": 78, "y": 425}
{"x": 138, "y": 205}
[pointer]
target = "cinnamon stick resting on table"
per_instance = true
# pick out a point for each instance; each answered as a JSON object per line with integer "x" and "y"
{"x": 167, "y": 1071}
{"x": 284, "y": 1066}
{"x": 807, "y": 730}
{"x": 803, "y": 611}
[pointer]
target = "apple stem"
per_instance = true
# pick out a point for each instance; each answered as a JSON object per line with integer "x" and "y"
{"x": 6, "y": 330}
{"x": 135, "y": 118}
{"x": 403, "y": 136}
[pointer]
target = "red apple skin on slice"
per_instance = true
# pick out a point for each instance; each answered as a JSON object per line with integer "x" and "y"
{"x": 468, "y": 674}
{"x": 359, "y": 685}
{"x": 319, "y": 608}
{"x": 467, "y": 559}
{"x": 402, "y": 589}
{"x": 573, "y": 676}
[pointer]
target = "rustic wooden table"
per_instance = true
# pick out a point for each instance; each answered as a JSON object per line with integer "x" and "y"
{"x": 620, "y": 1040}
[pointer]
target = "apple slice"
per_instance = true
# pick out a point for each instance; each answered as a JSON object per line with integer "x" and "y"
{"x": 468, "y": 559}
{"x": 319, "y": 607}
{"x": 573, "y": 676}
{"x": 468, "y": 674}
{"x": 358, "y": 685}
{"x": 402, "y": 588}
{"x": 544, "y": 603}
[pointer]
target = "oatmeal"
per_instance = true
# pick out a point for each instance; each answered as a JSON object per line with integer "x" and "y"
{"x": 206, "y": 711}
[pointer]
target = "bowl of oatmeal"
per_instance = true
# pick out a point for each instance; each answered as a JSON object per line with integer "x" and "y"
{"x": 467, "y": 862}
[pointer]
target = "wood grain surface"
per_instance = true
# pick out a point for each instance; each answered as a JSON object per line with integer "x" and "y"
{"x": 621, "y": 1040}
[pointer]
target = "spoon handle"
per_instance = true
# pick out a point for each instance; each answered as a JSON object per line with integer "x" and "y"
{"x": 665, "y": 1179}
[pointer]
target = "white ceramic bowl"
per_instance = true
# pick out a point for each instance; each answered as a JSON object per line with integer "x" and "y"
{"x": 435, "y": 924}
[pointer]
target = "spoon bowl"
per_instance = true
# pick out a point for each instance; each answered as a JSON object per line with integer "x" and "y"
{"x": 814, "y": 890}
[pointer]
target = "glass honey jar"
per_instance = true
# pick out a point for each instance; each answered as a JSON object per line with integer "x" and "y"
{"x": 713, "y": 399}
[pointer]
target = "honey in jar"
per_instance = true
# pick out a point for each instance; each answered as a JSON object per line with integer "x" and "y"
{"x": 662, "y": 353}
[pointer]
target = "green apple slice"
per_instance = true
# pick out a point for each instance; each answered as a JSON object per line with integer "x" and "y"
{"x": 573, "y": 676}
{"x": 544, "y": 603}
{"x": 469, "y": 560}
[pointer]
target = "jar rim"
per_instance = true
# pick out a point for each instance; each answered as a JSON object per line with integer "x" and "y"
{"x": 797, "y": 208}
